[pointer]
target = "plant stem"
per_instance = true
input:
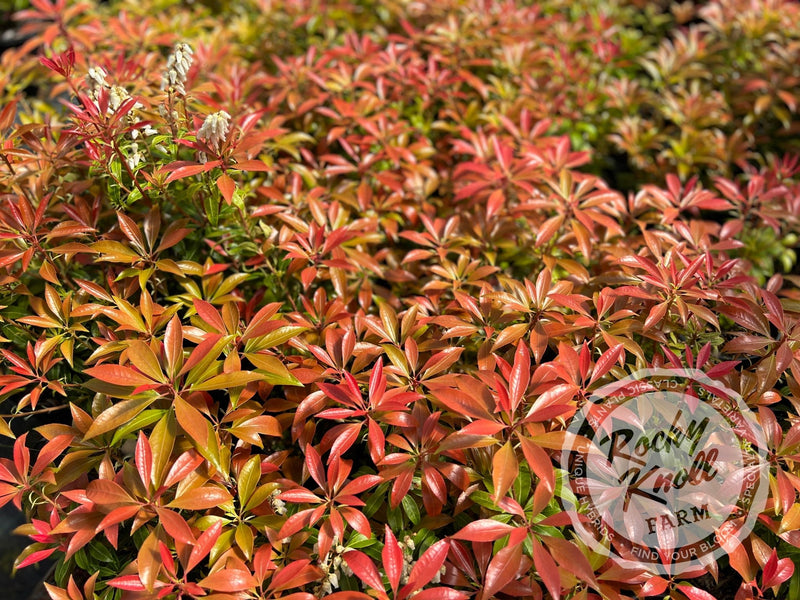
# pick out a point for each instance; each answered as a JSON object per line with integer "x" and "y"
{"x": 34, "y": 412}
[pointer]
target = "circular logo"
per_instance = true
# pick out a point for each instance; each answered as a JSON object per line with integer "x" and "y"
{"x": 666, "y": 469}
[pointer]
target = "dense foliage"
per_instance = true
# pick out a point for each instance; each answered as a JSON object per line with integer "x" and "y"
{"x": 311, "y": 290}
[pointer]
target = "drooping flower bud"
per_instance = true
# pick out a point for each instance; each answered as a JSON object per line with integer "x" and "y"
{"x": 214, "y": 129}
{"x": 178, "y": 65}
{"x": 116, "y": 96}
{"x": 96, "y": 77}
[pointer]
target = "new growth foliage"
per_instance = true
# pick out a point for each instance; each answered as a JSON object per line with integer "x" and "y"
{"x": 311, "y": 291}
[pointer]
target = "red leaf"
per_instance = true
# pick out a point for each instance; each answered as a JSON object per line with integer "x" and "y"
{"x": 204, "y": 544}
{"x": 314, "y": 465}
{"x": 606, "y": 361}
{"x": 294, "y": 574}
{"x": 495, "y": 202}
{"x": 228, "y": 580}
{"x": 694, "y": 593}
{"x": 484, "y": 530}
{"x": 440, "y": 593}
{"x": 118, "y": 515}
{"x": 183, "y": 465}
{"x": 144, "y": 459}
{"x": 189, "y": 170}
{"x": 656, "y": 315}
{"x": 654, "y": 586}
{"x": 210, "y": 315}
{"x": 520, "y": 376}
{"x": 392, "y": 556}
{"x": 348, "y": 434}
{"x": 539, "y": 461}
{"x": 461, "y": 403}
{"x": 299, "y": 495}
{"x": 50, "y": 451}
{"x": 296, "y": 522}
{"x": 502, "y": 570}
{"x": 34, "y": 557}
{"x": 173, "y": 346}
{"x": 426, "y": 567}
{"x": 175, "y": 525}
{"x": 364, "y": 568}
{"x": 547, "y": 569}
{"x": 357, "y": 520}
{"x": 776, "y": 571}
{"x": 360, "y": 484}
{"x": 127, "y": 582}
{"x": 569, "y": 556}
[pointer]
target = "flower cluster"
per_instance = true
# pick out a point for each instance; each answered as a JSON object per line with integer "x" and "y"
{"x": 214, "y": 130}
{"x": 177, "y": 70}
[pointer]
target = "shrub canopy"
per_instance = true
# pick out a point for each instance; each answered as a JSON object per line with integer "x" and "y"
{"x": 307, "y": 293}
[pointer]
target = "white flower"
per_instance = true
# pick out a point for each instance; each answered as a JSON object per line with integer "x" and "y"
{"x": 438, "y": 577}
{"x": 116, "y": 96}
{"x": 133, "y": 160}
{"x": 96, "y": 77}
{"x": 214, "y": 129}
{"x": 178, "y": 65}
{"x": 279, "y": 506}
{"x": 135, "y": 157}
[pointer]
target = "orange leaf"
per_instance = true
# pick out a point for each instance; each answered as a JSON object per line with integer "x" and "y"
{"x": 201, "y": 498}
{"x": 192, "y": 421}
{"x": 119, "y": 375}
{"x": 106, "y": 492}
{"x": 149, "y": 561}
{"x": 117, "y": 415}
{"x": 143, "y": 359}
{"x": 505, "y": 469}
{"x": 226, "y": 187}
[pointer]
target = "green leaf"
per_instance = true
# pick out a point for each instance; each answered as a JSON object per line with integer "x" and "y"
{"x": 522, "y": 485}
{"x": 100, "y": 552}
{"x": 212, "y": 209}
{"x": 376, "y": 500}
{"x": 227, "y": 380}
{"x": 483, "y": 499}
{"x": 273, "y": 370}
{"x": 274, "y": 338}
{"x": 358, "y": 541}
{"x": 248, "y": 479}
{"x": 140, "y": 421}
{"x": 411, "y": 509}
{"x": 394, "y": 517}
